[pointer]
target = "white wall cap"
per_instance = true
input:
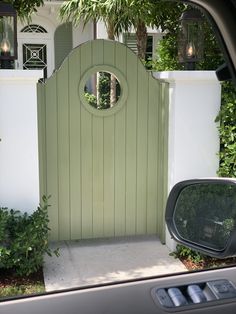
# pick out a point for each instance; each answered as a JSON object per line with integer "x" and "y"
{"x": 186, "y": 76}
{"x": 21, "y": 75}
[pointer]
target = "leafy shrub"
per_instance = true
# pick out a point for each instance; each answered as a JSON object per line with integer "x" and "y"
{"x": 24, "y": 239}
{"x": 187, "y": 253}
{"x": 227, "y": 130}
{"x": 91, "y": 99}
{"x": 167, "y": 53}
{"x": 194, "y": 260}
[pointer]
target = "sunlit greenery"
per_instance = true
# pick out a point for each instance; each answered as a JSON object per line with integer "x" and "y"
{"x": 120, "y": 15}
{"x": 227, "y": 130}
{"x": 25, "y": 8}
{"x": 21, "y": 289}
{"x": 24, "y": 239}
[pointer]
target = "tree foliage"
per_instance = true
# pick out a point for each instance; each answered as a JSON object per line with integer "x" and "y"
{"x": 167, "y": 49}
{"x": 25, "y": 8}
{"x": 167, "y": 55}
{"x": 88, "y": 10}
{"x": 120, "y": 15}
{"x": 166, "y": 15}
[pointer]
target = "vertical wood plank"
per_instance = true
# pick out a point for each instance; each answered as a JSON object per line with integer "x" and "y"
{"x": 152, "y": 188}
{"x": 63, "y": 153}
{"x": 120, "y": 152}
{"x": 86, "y": 154}
{"x": 109, "y": 52}
{"x": 166, "y": 164}
{"x": 120, "y": 173}
{"x": 109, "y": 155}
{"x": 97, "y": 47}
{"x": 163, "y": 158}
{"x": 42, "y": 139}
{"x": 142, "y": 120}
{"x": 87, "y": 174}
{"x": 159, "y": 162}
{"x": 109, "y": 179}
{"x": 97, "y": 157}
{"x": 51, "y": 151}
{"x": 166, "y": 146}
{"x": 85, "y": 57}
{"x": 131, "y": 145}
{"x": 98, "y": 180}
{"x": 75, "y": 145}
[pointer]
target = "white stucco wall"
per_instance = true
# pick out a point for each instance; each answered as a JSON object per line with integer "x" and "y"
{"x": 195, "y": 98}
{"x": 101, "y": 30}
{"x": 193, "y": 135}
{"x": 19, "y": 173}
{"x": 82, "y": 34}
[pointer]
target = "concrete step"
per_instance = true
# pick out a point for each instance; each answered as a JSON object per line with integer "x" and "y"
{"x": 89, "y": 262}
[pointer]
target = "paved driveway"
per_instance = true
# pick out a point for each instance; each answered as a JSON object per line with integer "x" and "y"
{"x": 88, "y": 262}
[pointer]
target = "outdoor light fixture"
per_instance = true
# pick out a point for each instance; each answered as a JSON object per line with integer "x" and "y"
{"x": 8, "y": 40}
{"x": 190, "y": 41}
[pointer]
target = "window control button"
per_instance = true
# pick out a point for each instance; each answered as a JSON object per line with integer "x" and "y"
{"x": 177, "y": 297}
{"x": 196, "y": 294}
{"x": 222, "y": 289}
{"x": 164, "y": 298}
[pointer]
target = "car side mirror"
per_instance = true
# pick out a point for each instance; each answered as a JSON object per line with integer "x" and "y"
{"x": 201, "y": 214}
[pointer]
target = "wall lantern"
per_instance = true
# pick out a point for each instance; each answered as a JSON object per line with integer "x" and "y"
{"x": 190, "y": 41}
{"x": 8, "y": 33}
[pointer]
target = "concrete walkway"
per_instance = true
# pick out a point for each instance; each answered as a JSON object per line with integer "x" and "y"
{"x": 88, "y": 262}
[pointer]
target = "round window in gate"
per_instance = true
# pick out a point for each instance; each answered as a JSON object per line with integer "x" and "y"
{"x": 103, "y": 90}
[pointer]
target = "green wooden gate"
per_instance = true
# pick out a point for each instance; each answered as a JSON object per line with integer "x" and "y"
{"x": 105, "y": 169}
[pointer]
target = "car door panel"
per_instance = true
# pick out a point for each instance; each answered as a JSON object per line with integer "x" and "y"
{"x": 131, "y": 297}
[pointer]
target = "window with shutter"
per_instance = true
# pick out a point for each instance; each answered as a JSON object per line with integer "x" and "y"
{"x": 130, "y": 41}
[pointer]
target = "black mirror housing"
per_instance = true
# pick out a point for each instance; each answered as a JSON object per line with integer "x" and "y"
{"x": 201, "y": 214}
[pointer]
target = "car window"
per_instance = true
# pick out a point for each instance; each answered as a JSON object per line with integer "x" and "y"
{"x": 120, "y": 122}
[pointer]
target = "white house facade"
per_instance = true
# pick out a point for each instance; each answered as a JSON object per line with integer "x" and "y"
{"x": 46, "y": 40}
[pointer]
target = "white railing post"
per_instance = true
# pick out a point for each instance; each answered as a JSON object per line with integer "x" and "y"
{"x": 195, "y": 98}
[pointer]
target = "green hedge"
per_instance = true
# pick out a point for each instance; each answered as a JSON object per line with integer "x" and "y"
{"x": 24, "y": 239}
{"x": 227, "y": 131}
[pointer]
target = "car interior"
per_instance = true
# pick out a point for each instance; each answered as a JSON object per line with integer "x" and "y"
{"x": 203, "y": 291}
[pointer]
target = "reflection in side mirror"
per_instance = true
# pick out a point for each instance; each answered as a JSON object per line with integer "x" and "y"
{"x": 201, "y": 214}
